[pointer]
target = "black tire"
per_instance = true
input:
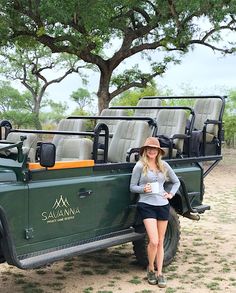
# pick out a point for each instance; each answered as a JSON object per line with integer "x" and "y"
{"x": 171, "y": 241}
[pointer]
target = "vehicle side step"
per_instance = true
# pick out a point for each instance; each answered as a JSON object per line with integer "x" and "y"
{"x": 59, "y": 254}
{"x": 201, "y": 209}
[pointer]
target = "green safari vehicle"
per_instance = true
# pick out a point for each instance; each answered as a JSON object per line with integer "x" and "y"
{"x": 72, "y": 197}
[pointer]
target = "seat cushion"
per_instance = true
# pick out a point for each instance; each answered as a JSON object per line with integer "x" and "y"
{"x": 70, "y": 149}
{"x": 128, "y": 134}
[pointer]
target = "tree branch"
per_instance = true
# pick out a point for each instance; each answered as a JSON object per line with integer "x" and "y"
{"x": 174, "y": 13}
{"x": 142, "y": 84}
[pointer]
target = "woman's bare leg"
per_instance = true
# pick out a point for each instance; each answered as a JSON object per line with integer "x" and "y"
{"x": 151, "y": 228}
{"x": 161, "y": 228}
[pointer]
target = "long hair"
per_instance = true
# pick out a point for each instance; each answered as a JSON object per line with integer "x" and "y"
{"x": 159, "y": 163}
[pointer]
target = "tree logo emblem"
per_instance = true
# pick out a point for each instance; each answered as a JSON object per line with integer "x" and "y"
{"x": 61, "y": 203}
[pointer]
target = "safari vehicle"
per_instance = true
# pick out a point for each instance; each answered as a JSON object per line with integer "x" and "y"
{"x": 70, "y": 196}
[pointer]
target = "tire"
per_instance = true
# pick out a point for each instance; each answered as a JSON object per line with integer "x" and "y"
{"x": 171, "y": 241}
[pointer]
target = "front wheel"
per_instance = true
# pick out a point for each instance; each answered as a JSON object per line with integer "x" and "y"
{"x": 171, "y": 241}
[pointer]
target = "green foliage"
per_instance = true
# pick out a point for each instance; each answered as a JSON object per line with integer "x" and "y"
{"x": 153, "y": 29}
{"x": 131, "y": 97}
{"x": 19, "y": 118}
{"x": 13, "y": 106}
{"x": 230, "y": 108}
{"x": 230, "y": 119}
{"x": 56, "y": 113}
{"x": 89, "y": 124}
{"x": 10, "y": 98}
{"x": 82, "y": 97}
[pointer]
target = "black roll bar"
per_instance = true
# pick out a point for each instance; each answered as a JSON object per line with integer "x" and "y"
{"x": 150, "y": 120}
{"x": 99, "y": 127}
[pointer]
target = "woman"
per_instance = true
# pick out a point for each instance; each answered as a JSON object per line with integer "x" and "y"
{"x": 148, "y": 178}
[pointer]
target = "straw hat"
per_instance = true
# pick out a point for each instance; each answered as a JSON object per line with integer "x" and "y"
{"x": 151, "y": 142}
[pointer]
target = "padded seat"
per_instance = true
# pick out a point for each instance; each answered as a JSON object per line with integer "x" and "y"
{"x": 208, "y": 113}
{"x": 128, "y": 134}
{"x": 29, "y": 144}
{"x": 71, "y": 149}
{"x": 171, "y": 124}
{"x": 111, "y": 124}
{"x": 148, "y": 102}
{"x": 75, "y": 125}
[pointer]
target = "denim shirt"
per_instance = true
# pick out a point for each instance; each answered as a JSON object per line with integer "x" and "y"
{"x": 139, "y": 180}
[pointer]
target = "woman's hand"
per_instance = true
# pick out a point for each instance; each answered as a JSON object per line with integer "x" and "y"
{"x": 168, "y": 195}
{"x": 147, "y": 188}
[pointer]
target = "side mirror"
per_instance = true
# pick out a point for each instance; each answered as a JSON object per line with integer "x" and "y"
{"x": 47, "y": 154}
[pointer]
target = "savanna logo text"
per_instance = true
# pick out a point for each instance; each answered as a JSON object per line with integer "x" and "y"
{"x": 60, "y": 211}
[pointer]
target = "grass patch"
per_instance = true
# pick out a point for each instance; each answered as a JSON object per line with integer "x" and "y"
{"x": 226, "y": 268}
{"x": 213, "y": 286}
{"x": 171, "y": 268}
{"x": 88, "y": 290}
{"x": 136, "y": 280}
{"x": 68, "y": 267}
{"x": 111, "y": 284}
{"x": 55, "y": 285}
{"x": 32, "y": 288}
{"x": 170, "y": 290}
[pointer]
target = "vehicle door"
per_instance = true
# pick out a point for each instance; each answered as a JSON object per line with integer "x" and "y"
{"x": 61, "y": 204}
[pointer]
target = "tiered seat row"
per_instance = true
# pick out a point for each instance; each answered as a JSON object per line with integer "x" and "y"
{"x": 201, "y": 136}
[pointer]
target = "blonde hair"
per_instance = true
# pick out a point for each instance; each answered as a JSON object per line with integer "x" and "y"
{"x": 159, "y": 163}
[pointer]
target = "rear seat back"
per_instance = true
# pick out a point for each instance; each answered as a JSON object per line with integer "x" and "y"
{"x": 207, "y": 109}
{"x": 128, "y": 134}
{"x": 71, "y": 149}
{"x": 172, "y": 122}
{"x": 29, "y": 144}
{"x": 113, "y": 122}
{"x": 148, "y": 102}
{"x": 75, "y": 125}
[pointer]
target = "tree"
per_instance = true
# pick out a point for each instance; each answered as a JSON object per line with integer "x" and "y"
{"x": 31, "y": 66}
{"x": 56, "y": 113}
{"x": 13, "y": 106}
{"x": 83, "y": 98}
{"x": 131, "y": 97}
{"x": 153, "y": 28}
{"x": 230, "y": 119}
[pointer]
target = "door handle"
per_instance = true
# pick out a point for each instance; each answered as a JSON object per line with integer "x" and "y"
{"x": 85, "y": 193}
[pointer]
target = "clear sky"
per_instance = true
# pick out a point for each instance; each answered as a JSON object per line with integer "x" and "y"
{"x": 203, "y": 70}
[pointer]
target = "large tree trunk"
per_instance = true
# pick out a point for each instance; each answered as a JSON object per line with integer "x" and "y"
{"x": 36, "y": 110}
{"x": 37, "y": 123}
{"x": 103, "y": 91}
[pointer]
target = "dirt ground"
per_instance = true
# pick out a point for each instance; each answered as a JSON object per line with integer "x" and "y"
{"x": 205, "y": 262}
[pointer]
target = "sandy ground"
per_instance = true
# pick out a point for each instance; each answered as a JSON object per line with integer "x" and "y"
{"x": 205, "y": 262}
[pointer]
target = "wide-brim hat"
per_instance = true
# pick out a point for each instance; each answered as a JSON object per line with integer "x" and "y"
{"x": 152, "y": 142}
